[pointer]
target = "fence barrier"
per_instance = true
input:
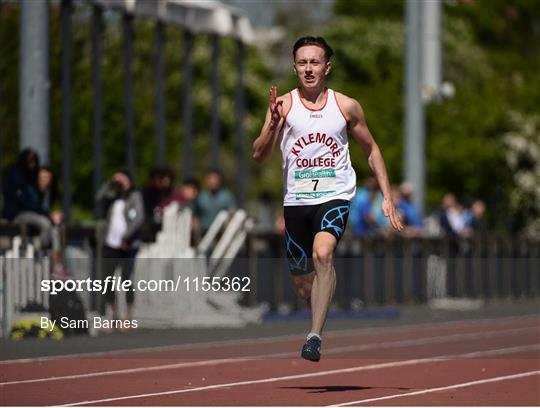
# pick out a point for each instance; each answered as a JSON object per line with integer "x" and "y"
{"x": 370, "y": 271}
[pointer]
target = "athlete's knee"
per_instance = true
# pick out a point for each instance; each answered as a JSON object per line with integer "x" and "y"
{"x": 323, "y": 255}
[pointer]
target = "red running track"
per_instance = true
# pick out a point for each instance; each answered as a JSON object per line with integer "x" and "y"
{"x": 481, "y": 362}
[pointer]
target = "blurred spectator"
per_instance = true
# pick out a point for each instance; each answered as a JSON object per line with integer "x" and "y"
{"x": 46, "y": 186}
{"x": 409, "y": 212}
{"x": 368, "y": 216}
{"x": 448, "y": 201}
{"x": 457, "y": 217}
{"x": 28, "y": 197}
{"x": 186, "y": 195}
{"x": 214, "y": 199}
{"x": 474, "y": 218}
{"x": 48, "y": 191}
{"x": 362, "y": 195}
{"x": 125, "y": 216}
{"x": 190, "y": 190}
{"x": 456, "y": 220}
{"x": 20, "y": 186}
{"x": 159, "y": 187}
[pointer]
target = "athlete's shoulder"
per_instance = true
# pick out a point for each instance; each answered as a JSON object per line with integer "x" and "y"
{"x": 287, "y": 96}
{"x": 346, "y": 101}
{"x": 350, "y": 107}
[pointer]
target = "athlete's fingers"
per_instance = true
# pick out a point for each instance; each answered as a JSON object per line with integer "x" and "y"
{"x": 278, "y": 105}
{"x": 271, "y": 98}
{"x": 273, "y": 95}
{"x": 400, "y": 224}
{"x": 395, "y": 220}
{"x": 276, "y": 114}
{"x": 392, "y": 220}
{"x": 389, "y": 210}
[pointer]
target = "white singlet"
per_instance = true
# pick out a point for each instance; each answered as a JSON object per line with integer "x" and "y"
{"x": 315, "y": 151}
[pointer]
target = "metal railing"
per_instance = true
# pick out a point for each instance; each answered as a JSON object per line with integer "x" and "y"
{"x": 370, "y": 271}
{"x": 398, "y": 270}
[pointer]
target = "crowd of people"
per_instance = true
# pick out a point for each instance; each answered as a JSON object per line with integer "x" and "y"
{"x": 451, "y": 218}
{"x": 30, "y": 194}
{"x": 205, "y": 204}
{"x": 134, "y": 216}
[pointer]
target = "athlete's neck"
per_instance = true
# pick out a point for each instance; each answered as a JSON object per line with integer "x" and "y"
{"x": 314, "y": 96}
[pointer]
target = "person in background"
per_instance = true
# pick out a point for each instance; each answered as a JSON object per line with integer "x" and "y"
{"x": 125, "y": 217}
{"x": 213, "y": 199}
{"x": 362, "y": 195}
{"x": 457, "y": 217}
{"x": 28, "y": 196}
{"x": 474, "y": 218}
{"x": 47, "y": 193}
{"x": 158, "y": 188}
{"x": 448, "y": 201}
{"x": 369, "y": 218}
{"x": 187, "y": 196}
{"x": 408, "y": 210}
{"x": 20, "y": 189}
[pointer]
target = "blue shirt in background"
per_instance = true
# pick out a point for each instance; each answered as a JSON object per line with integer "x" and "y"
{"x": 210, "y": 204}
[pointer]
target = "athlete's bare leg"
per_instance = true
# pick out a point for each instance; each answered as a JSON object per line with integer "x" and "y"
{"x": 302, "y": 285}
{"x": 324, "y": 282}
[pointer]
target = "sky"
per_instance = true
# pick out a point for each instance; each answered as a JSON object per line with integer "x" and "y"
{"x": 264, "y": 12}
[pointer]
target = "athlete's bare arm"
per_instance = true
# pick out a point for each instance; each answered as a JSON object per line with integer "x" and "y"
{"x": 357, "y": 127}
{"x": 275, "y": 117}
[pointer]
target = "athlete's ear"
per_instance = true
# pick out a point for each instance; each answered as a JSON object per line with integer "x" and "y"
{"x": 328, "y": 68}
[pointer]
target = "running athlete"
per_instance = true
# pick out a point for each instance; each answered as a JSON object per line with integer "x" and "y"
{"x": 313, "y": 123}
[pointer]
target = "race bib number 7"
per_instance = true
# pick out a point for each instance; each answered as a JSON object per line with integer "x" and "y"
{"x": 314, "y": 183}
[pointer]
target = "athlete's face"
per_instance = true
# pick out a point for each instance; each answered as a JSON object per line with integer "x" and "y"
{"x": 311, "y": 66}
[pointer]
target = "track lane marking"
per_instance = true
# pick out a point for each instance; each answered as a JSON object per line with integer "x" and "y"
{"x": 398, "y": 363}
{"x": 460, "y": 324}
{"x": 333, "y": 350}
{"x": 437, "y": 389}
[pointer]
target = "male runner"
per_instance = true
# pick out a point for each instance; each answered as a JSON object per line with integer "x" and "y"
{"x": 319, "y": 181}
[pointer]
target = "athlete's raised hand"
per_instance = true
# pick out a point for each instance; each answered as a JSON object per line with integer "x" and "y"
{"x": 264, "y": 144}
{"x": 275, "y": 106}
{"x": 389, "y": 210}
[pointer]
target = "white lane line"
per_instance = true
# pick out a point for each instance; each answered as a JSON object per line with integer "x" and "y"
{"x": 286, "y": 337}
{"x": 390, "y": 364}
{"x": 446, "y": 388}
{"x": 333, "y": 350}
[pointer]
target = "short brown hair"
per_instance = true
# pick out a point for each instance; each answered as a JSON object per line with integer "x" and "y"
{"x": 318, "y": 41}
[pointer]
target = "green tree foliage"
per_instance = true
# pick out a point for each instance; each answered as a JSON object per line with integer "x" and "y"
{"x": 522, "y": 145}
{"x": 490, "y": 51}
{"x": 114, "y": 126}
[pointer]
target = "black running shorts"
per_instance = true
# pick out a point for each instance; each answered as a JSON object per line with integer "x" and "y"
{"x": 303, "y": 222}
